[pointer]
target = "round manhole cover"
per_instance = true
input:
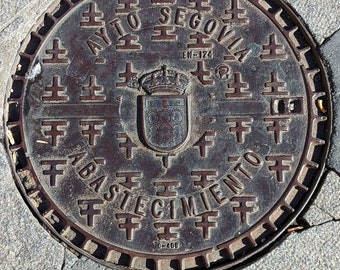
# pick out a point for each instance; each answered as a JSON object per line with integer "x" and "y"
{"x": 168, "y": 134}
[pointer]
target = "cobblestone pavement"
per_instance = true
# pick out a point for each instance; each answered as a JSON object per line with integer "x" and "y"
{"x": 24, "y": 244}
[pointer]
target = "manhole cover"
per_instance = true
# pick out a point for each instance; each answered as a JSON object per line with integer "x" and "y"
{"x": 168, "y": 134}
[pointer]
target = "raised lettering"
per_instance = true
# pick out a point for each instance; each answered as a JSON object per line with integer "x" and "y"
{"x": 77, "y": 158}
{"x": 179, "y": 17}
{"x": 134, "y": 21}
{"x": 234, "y": 184}
{"x": 141, "y": 205}
{"x": 165, "y": 18}
{"x": 126, "y": 199}
{"x": 253, "y": 159}
{"x": 95, "y": 47}
{"x": 102, "y": 33}
{"x": 189, "y": 206}
{"x": 216, "y": 191}
{"x": 97, "y": 184}
{"x": 157, "y": 207}
{"x": 112, "y": 193}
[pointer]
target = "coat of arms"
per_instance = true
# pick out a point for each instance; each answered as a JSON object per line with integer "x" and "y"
{"x": 164, "y": 111}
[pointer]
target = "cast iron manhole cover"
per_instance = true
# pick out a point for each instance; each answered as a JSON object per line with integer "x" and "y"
{"x": 168, "y": 134}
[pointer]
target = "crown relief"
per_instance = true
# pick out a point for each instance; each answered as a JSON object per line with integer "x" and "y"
{"x": 163, "y": 81}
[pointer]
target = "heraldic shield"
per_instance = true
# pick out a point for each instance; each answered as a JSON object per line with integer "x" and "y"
{"x": 165, "y": 110}
{"x": 165, "y": 122}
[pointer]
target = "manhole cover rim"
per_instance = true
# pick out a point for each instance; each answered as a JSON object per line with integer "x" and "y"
{"x": 282, "y": 228}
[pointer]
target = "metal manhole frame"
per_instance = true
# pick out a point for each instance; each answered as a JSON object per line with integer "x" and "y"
{"x": 17, "y": 151}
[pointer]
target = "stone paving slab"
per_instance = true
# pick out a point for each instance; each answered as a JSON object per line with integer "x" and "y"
{"x": 327, "y": 202}
{"x": 321, "y": 17}
{"x": 314, "y": 249}
{"x": 331, "y": 52}
{"x": 24, "y": 244}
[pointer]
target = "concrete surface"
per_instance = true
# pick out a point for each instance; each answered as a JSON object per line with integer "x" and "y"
{"x": 24, "y": 244}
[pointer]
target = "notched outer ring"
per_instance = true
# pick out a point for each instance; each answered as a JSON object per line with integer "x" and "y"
{"x": 250, "y": 242}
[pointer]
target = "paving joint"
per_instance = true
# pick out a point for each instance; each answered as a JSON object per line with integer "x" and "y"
{"x": 307, "y": 226}
{"x": 327, "y": 39}
{"x": 326, "y": 212}
{"x": 330, "y": 169}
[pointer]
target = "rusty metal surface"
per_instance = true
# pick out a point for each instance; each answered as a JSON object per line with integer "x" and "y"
{"x": 168, "y": 134}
